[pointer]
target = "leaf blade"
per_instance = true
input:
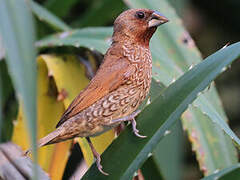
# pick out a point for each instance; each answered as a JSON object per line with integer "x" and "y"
{"x": 178, "y": 54}
{"x": 93, "y": 38}
{"x": 16, "y": 20}
{"x": 172, "y": 102}
{"x": 231, "y": 172}
{"x": 51, "y": 19}
{"x": 68, "y": 72}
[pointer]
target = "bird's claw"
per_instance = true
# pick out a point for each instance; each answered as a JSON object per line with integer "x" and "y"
{"x": 135, "y": 130}
{"x": 97, "y": 156}
{"x": 131, "y": 118}
{"x": 139, "y": 135}
{"x": 99, "y": 166}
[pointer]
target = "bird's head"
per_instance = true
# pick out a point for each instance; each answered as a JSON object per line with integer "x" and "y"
{"x": 137, "y": 25}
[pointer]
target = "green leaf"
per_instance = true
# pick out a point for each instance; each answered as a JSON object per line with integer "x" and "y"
{"x": 97, "y": 38}
{"x": 92, "y": 38}
{"x": 45, "y": 15}
{"x": 18, "y": 35}
{"x": 210, "y": 147}
{"x": 179, "y": 6}
{"x": 174, "y": 52}
{"x": 1, "y": 106}
{"x": 128, "y": 152}
{"x": 229, "y": 173}
{"x": 211, "y": 113}
{"x": 8, "y": 103}
{"x": 150, "y": 170}
{"x": 167, "y": 157}
{"x": 60, "y": 7}
{"x": 7, "y": 91}
{"x": 100, "y": 13}
{"x": 168, "y": 154}
{"x": 2, "y": 52}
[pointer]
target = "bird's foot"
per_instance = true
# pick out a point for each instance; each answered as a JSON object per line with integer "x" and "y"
{"x": 135, "y": 130}
{"x": 131, "y": 118}
{"x": 99, "y": 166}
{"x": 97, "y": 157}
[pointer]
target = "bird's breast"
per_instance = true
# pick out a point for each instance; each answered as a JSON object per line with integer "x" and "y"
{"x": 123, "y": 100}
{"x": 139, "y": 57}
{"x": 137, "y": 87}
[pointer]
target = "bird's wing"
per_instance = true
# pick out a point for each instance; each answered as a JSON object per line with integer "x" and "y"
{"x": 109, "y": 77}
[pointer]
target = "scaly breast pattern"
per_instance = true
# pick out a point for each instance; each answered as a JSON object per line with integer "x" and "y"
{"x": 122, "y": 101}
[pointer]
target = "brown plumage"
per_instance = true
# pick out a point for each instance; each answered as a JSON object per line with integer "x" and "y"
{"x": 120, "y": 85}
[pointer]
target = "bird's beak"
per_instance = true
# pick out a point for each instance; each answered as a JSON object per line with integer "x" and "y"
{"x": 157, "y": 19}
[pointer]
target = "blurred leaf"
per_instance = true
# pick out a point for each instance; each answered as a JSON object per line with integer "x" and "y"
{"x": 159, "y": 116}
{"x": 60, "y": 7}
{"x": 209, "y": 111}
{"x": 49, "y": 112}
{"x": 58, "y": 83}
{"x": 70, "y": 78}
{"x": 67, "y": 71}
{"x": 45, "y": 15}
{"x": 160, "y": 66}
{"x": 180, "y": 6}
{"x": 92, "y": 38}
{"x": 229, "y": 173}
{"x": 204, "y": 142}
{"x": 178, "y": 53}
{"x": 100, "y": 13}
{"x": 15, "y": 166}
{"x": 17, "y": 31}
{"x": 54, "y": 157}
{"x": 6, "y": 82}
{"x": 2, "y": 51}
{"x": 9, "y": 103}
{"x": 1, "y": 106}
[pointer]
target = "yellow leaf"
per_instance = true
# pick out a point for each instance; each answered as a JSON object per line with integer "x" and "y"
{"x": 49, "y": 111}
{"x": 70, "y": 77}
{"x": 59, "y": 160}
{"x": 60, "y": 79}
{"x": 20, "y": 134}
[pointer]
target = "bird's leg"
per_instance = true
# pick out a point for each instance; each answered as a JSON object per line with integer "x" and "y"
{"x": 119, "y": 128}
{"x": 131, "y": 118}
{"x": 96, "y": 156}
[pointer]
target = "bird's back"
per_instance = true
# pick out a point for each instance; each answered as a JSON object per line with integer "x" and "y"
{"x": 120, "y": 102}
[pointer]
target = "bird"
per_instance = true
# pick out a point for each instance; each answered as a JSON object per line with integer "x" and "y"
{"x": 120, "y": 85}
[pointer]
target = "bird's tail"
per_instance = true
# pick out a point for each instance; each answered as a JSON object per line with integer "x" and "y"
{"x": 48, "y": 139}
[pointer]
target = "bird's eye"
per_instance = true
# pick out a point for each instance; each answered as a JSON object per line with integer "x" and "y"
{"x": 140, "y": 14}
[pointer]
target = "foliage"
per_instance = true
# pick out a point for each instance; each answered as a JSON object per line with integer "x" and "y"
{"x": 61, "y": 76}
{"x": 16, "y": 20}
{"x": 172, "y": 101}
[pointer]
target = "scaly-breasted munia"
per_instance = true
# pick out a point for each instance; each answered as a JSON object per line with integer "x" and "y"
{"x": 120, "y": 85}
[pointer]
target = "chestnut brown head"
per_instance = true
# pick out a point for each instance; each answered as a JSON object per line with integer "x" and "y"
{"x": 137, "y": 24}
